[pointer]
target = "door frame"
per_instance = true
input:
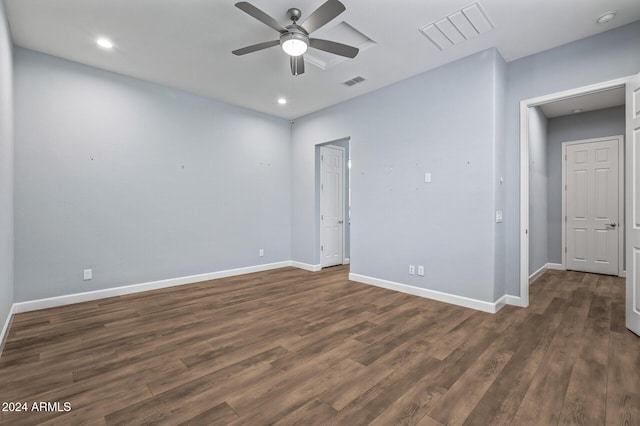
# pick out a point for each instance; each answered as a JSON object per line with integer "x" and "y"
{"x": 525, "y": 105}
{"x": 342, "y": 184}
{"x": 619, "y": 219}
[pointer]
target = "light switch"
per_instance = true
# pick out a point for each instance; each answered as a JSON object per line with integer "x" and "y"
{"x": 499, "y": 216}
{"x": 427, "y": 177}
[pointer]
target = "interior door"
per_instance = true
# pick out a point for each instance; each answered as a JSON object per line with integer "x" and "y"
{"x": 592, "y": 206}
{"x": 633, "y": 204}
{"x": 331, "y": 205}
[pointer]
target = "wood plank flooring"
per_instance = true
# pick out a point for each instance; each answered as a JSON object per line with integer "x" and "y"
{"x": 292, "y": 347}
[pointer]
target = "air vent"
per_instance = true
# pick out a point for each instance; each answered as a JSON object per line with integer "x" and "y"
{"x": 354, "y": 81}
{"x": 459, "y": 26}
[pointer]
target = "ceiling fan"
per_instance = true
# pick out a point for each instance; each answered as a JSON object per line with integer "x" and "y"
{"x": 294, "y": 38}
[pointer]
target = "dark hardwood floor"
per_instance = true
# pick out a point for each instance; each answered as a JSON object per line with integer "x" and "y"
{"x": 293, "y": 347}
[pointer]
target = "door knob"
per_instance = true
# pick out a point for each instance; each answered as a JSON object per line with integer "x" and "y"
{"x": 612, "y": 225}
{"x": 342, "y": 221}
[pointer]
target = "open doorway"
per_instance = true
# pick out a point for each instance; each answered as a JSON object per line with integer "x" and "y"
{"x": 333, "y": 201}
{"x": 541, "y": 225}
{"x": 576, "y": 182}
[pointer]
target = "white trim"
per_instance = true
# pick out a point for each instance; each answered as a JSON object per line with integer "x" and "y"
{"x": 537, "y": 273}
{"x": 500, "y": 303}
{"x": 543, "y": 269}
{"x": 69, "y": 299}
{"x": 513, "y": 300}
{"x": 556, "y": 266}
{"x": 305, "y": 266}
{"x": 578, "y": 91}
{"x": 347, "y": 261}
{"x": 622, "y": 236}
{"x": 620, "y": 219}
{"x": 524, "y": 166}
{"x": 524, "y": 204}
{"x": 5, "y": 328}
{"x": 490, "y": 307}
{"x": 564, "y": 205}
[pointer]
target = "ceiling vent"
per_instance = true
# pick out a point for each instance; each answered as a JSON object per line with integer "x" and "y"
{"x": 458, "y": 27}
{"x": 354, "y": 81}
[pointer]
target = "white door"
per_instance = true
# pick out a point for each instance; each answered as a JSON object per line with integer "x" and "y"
{"x": 331, "y": 205}
{"x": 592, "y": 206}
{"x": 633, "y": 204}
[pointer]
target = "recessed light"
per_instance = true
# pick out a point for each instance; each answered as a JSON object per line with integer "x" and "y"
{"x": 577, "y": 111}
{"x": 282, "y": 101}
{"x": 104, "y": 43}
{"x": 606, "y": 17}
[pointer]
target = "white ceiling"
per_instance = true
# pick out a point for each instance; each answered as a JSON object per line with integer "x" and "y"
{"x": 188, "y": 44}
{"x": 585, "y": 103}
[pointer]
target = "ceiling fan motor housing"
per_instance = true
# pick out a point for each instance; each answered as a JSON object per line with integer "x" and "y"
{"x": 294, "y": 14}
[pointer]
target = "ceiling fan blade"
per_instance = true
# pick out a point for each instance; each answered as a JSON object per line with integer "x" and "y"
{"x": 323, "y": 15}
{"x": 333, "y": 47}
{"x": 261, "y": 16}
{"x": 255, "y": 47}
{"x": 297, "y": 64}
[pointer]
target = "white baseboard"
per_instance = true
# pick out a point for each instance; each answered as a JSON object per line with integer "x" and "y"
{"x": 305, "y": 266}
{"x": 68, "y": 299}
{"x": 32, "y": 305}
{"x": 537, "y": 273}
{"x": 480, "y": 305}
{"x": 500, "y": 303}
{"x": 546, "y": 266}
{"x": 561, "y": 267}
{"x": 347, "y": 261}
{"x": 5, "y": 328}
{"x": 514, "y": 300}
{"x": 556, "y": 266}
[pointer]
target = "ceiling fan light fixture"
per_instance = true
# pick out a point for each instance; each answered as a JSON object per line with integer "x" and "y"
{"x": 294, "y": 44}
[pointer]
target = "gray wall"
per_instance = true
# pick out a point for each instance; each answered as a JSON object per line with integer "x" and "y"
{"x": 606, "y": 56}
{"x": 397, "y": 134}
{"x": 138, "y": 181}
{"x": 537, "y": 190}
{"x": 6, "y": 169}
{"x": 587, "y": 125}
{"x": 100, "y": 183}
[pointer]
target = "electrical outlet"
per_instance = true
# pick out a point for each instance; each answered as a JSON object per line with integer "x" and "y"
{"x": 261, "y": 253}
{"x": 87, "y": 274}
{"x": 412, "y": 270}
{"x": 421, "y": 270}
